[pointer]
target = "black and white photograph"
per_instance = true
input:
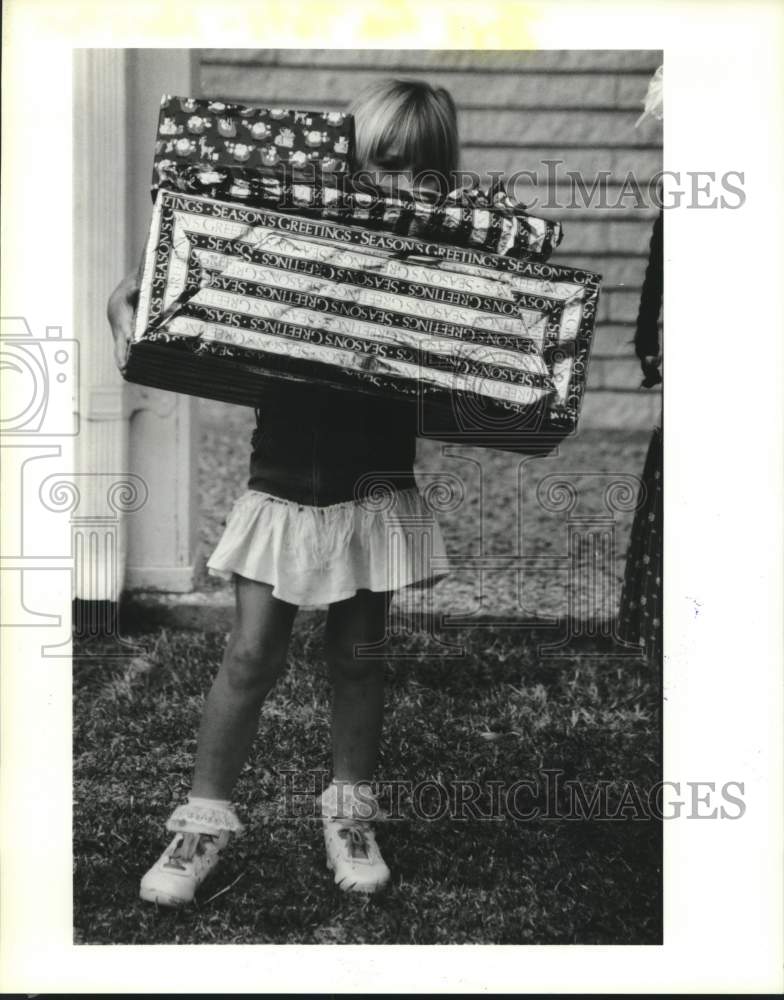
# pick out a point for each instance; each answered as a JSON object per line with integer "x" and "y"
{"x": 393, "y": 507}
{"x": 356, "y": 460}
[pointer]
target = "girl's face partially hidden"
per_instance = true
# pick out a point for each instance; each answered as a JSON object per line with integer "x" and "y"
{"x": 391, "y": 173}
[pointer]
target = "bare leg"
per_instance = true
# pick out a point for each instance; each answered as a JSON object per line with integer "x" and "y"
{"x": 255, "y": 657}
{"x": 357, "y": 683}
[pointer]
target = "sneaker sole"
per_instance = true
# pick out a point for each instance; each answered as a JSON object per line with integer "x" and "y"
{"x": 368, "y": 888}
{"x": 163, "y": 898}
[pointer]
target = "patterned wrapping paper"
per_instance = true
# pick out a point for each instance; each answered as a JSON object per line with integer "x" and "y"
{"x": 485, "y": 220}
{"x": 212, "y": 135}
{"x": 236, "y": 301}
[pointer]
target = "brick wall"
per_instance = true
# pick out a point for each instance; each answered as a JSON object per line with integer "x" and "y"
{"x": 517, "y": 109}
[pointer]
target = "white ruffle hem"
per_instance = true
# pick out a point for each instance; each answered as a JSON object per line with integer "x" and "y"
{"x": 319, "y": 555}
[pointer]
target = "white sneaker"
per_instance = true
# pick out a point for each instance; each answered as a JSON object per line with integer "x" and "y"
{"x": 352, "y": 851}
{"x": 173, "y": 880}
{"x": 353, "y": 855}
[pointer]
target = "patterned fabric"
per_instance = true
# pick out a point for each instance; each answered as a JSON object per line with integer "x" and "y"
{"x": 640, "y": 615}
{"x": 647, "y": 344}
{"x": 479, "y": 337}
{"x": 214, "y": 136}
{"x": 487, "y": 220}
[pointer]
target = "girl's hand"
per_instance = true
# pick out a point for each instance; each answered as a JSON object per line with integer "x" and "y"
{"x": 120, "y": 311}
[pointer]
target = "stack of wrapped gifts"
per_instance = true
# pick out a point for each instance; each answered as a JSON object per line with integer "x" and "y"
{"x": 266, "y": 265}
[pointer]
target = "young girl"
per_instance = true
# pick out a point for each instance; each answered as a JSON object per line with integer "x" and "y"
{"x": 309, "y": 530}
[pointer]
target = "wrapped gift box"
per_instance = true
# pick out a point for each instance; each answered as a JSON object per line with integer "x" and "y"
{"x": 237, "y": 302}
{"x": 484, "y": 220}
{"x": 216, "y": 138}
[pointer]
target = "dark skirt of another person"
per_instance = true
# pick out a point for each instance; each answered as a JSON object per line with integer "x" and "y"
{"x": 640, "y": 613}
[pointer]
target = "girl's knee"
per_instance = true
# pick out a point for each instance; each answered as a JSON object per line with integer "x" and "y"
{"x": 252, "y": 666}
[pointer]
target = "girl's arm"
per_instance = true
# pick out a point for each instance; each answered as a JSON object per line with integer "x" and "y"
{"x": 120, "y": 311}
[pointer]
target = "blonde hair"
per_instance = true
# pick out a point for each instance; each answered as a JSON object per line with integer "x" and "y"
{"x": 417, "y": 121}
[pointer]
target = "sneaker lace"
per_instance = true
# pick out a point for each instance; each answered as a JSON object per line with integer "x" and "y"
{"x": 355, "y": 833}
{"x": 176, "y": 857}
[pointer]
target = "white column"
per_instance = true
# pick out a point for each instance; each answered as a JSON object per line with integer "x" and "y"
{"x": 152, "y": 435}
{"x": 163, "y": 544}
{"x": 100, "y": 258}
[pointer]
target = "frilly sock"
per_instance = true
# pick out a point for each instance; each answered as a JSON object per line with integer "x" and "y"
{"x": 200, "y": 815}
{"x": 350, "y": 800}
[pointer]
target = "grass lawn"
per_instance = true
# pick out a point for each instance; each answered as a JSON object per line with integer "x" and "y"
{"x": 498, "y": 714}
